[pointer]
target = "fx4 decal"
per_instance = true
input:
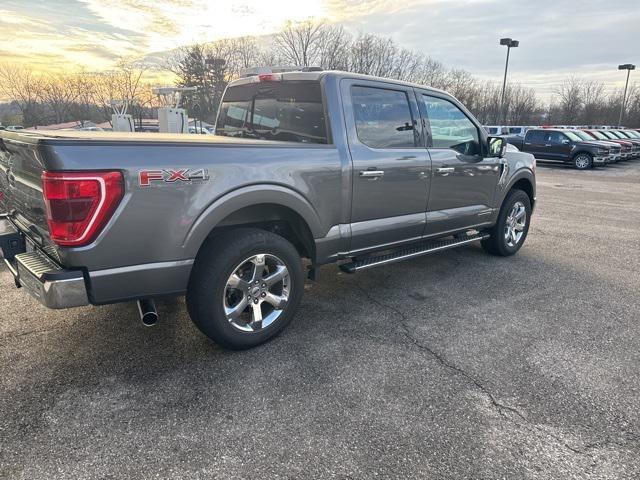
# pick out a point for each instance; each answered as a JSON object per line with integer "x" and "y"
{"x": 148, "y": 177}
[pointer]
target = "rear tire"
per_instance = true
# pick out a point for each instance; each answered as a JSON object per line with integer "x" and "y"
{"x": 583, "y": 161}
{"x": 510, "y": 231}
{"x": 245, "y": 287}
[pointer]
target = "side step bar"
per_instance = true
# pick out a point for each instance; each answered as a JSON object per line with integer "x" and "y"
{"x": 415, "y": 250}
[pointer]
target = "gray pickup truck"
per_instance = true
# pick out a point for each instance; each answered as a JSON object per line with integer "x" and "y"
{"x": 305, "y": 169}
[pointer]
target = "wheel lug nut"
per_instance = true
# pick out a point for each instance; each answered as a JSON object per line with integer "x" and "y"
{"x": 263, "y": 294}
{"x": 255, "y": 301}
{"x": 264, "y": 285}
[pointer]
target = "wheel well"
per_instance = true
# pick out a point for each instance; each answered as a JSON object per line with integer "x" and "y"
{"x": 581, "y": 152}
{"x": 526, "y": 186}
{"x": 274, "y": 218}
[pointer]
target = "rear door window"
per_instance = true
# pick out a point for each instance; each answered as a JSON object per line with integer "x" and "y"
{"x": 291, "y": 111}
{"x": 535, "y": 136}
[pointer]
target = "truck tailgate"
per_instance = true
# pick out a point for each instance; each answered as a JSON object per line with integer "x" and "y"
{"x": 21, "y": 189}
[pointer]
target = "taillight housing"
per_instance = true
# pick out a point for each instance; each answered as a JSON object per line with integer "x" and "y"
{"x": 269, "y": 77}
{"x": 79, "y": 204}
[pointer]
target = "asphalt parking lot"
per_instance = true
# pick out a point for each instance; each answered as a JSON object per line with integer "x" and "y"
{"x": 457, "y": 365}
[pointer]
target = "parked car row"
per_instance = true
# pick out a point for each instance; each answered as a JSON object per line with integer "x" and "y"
{"x": 582, "y": 148}
{"x": 522, "y": 130}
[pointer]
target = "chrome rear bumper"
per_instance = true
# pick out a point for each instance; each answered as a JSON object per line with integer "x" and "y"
{"x": 49, "y": 283}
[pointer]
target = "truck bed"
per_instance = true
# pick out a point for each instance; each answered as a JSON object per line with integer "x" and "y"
{"x": 57, "y": 137}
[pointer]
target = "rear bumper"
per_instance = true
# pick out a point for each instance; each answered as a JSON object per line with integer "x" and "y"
{"x": 47, "y": 282}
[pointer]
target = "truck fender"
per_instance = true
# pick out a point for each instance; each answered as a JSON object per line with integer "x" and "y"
{"x": 525, "y": 180}
{"x": 246, "y": 197}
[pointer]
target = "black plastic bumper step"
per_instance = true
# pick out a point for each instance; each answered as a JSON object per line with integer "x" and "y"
{"x": 415, "y": 250}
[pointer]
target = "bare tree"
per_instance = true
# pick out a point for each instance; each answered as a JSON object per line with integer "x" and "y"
{"x": 333, "y": 48}
{"x": 24, "y": 87}
{"x": 570, "y": 99}
{"x": 58, "y": 93}
{"x": 299, "y": 43}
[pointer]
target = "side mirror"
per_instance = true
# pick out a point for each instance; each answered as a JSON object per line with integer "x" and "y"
{"x": 497, "y": 147}
{"x": 565, "y": 142}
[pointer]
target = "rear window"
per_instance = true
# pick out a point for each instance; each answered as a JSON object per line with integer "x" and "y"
{"x": 290, "y": 111}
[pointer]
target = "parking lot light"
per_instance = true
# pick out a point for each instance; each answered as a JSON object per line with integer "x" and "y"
{"x": 628, "y": 67}
{"x": 509, "y": 43}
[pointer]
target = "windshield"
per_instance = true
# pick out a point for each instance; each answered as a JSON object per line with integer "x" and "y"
{"x": 290, "y": 111}
{"x": 572, "y": 136}
{"x": 632, "y": 133}
{"x": 598, "y": 135}
{"x": 622, "y": 135}
{"x": 583, "y": 135}
{"x": 609, "y": 135}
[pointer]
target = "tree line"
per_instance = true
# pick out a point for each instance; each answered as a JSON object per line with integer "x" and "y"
{"x": 210, "y": 66}
{"x": 44, "y": 99}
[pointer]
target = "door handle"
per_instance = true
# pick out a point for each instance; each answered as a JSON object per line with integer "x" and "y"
{"x": 547, "y": 145}
{"x": 372, "y": 173}
{"x": 445, "y": 170}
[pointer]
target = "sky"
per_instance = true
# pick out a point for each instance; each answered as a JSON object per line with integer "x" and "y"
{"x": 588, "y": 39}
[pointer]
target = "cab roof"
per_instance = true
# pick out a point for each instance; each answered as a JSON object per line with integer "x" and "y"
{"x": 338, "y": 74}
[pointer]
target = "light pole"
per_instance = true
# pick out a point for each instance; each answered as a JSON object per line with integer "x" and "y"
{"x": 509, "y": 43}
{"x": 628, "y": 67}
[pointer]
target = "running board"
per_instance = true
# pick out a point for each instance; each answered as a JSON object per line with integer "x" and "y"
{"x": 410, "y": 252}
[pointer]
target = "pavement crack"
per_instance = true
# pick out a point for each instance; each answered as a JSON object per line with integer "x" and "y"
{"x": 502, "y": 409}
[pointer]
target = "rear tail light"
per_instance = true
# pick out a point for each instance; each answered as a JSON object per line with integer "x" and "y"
{"x": 80, "y": 204}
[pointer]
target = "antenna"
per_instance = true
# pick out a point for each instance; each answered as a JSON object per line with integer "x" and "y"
{"x": 172, "y": 96}
{"x": 171, "y": 117}
{"x": 119, "y": 107}
{"x": 121, "y": 121}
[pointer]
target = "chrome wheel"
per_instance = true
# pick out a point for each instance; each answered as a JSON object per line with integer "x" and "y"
{"x": 582, "y": 161}
{"x": 515, "y": 224}
{"x": 256, "y": 293}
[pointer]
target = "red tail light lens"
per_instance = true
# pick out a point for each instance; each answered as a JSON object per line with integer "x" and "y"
{"x": 269, "y": 77}
{"x": 80, "y": 204}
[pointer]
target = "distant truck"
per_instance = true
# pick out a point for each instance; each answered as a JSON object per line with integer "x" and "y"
{"x": 331, "y": 167}
{"x": 563, "y": 146}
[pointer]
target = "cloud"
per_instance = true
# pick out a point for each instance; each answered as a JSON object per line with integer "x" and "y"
{"x": 169, "y": 23}
{"x": 558, "y": 37}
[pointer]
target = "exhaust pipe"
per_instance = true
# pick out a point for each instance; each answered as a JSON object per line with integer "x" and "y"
{"x": 148, "y": 312}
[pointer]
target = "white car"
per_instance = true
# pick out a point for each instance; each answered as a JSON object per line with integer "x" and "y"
{"x": 14, "y": 128}
{"x": 495, "y": 130}
{"x": 200, "y": 130}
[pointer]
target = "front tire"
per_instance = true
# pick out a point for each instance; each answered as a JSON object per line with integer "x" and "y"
{"x": 245, "y": 287}
{"x": 510, "y": 231}
{"x": 583, "y": 161}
